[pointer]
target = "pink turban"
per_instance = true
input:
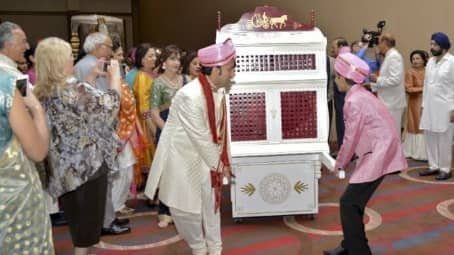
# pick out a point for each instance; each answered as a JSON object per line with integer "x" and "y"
{"x": 351, "y": 67}
{"x": 217, "y": 54}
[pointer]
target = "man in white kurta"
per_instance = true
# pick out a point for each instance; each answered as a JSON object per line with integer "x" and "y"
{"x": 390, "y": 84}
{"x": 186, "y": 152}
{"x": 438, "y": 102}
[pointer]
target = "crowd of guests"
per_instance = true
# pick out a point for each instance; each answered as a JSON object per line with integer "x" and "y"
{"x": 421, "y": 102}
{"x": 92, "y": 128}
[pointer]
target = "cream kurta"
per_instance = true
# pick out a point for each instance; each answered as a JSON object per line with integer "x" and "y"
{"x": 438, "y": 94}
{"x": 185, "y": 152}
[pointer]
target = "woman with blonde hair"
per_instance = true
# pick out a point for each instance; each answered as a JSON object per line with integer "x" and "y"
{"x": 83, "y": 144}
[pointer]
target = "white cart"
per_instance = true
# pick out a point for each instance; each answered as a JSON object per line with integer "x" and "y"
{"x": 278, "y": 115}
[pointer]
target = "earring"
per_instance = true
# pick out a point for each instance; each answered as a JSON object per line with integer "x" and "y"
{"x": 164, "y": 67}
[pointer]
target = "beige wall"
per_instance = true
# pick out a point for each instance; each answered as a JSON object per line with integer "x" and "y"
{"x": 191, "y": 26}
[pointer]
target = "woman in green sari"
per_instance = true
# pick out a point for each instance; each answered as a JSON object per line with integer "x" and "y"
{"x": 24, "y": 136}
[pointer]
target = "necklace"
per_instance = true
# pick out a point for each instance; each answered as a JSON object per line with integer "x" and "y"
{"x": 173, "y": 84}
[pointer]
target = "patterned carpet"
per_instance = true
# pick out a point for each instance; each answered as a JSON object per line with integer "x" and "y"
{"x": 417, "y": 217}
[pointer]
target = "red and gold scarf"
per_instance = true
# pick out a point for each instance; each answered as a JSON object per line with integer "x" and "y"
{"x": 217, "y": 174}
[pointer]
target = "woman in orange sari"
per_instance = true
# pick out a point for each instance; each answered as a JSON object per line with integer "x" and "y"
{"x": 414, "y": 145}
{"x": 142, "y": 87}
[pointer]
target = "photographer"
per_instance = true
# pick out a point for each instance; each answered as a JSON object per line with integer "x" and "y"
{"x": 364, "y": 51}
{"x": 389, "y": 85}
{"x": 99, "y": 51}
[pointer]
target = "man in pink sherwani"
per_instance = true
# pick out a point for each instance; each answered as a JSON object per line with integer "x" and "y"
{"x": 370, "y": 133}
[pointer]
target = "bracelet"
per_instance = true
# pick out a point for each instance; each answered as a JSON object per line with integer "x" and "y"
{"x": 146, "y": 115}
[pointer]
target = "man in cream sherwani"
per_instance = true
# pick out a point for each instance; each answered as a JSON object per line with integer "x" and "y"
{"x": 389, "y": 85}
{"x": 191, "y": 146}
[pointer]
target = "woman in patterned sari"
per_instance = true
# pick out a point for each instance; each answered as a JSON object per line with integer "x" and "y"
{"x": 24, "y": 136}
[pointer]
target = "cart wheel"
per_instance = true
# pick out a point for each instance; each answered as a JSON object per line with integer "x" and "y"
{"x": 238, "y": 220}
{"x": 311, "y": 216}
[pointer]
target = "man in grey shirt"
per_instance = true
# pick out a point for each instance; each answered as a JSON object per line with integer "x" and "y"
{"x": 98, "y": 47}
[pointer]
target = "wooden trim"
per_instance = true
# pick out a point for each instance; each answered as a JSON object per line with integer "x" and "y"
{"x": 35, "y": 13}
{"x": 62, "y": 13}
{"x": 135, "y": 8}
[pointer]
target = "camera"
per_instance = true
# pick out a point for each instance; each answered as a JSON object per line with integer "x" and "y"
{"x": 372, "y": 37}
{"x": 105, "y": 66}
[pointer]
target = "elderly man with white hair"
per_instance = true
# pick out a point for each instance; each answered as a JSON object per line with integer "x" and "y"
{"x": 98, "y": 47}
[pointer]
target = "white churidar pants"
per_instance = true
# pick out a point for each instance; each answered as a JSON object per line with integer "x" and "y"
{"x": 202, "y": 232}
{"x": 439, "y": 149}
{"x": 122, "y": 181}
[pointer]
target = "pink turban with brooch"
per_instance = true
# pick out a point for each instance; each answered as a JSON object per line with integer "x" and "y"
{"x": 217, "y": 54}
{"x": 351, "y": 67}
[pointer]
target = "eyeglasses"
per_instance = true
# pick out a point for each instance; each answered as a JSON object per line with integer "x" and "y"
{"x": 108, "y": 45}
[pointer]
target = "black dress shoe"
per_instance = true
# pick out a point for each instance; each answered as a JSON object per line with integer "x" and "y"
{"x": 121, "y": 222}
{"x": 443, "y": 176}
{"x": 58, "y": 219}
{"x": 115, "y": 229}
{"x": 428, "y": 172}
{"x": 339, "y": 250}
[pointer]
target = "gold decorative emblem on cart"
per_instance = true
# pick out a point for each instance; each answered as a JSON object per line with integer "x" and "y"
{"x": 263, "y": 21}
{"x": 300, "y": 187}
{"x": 249, "y": 189}
{"x": 270, "y": 18}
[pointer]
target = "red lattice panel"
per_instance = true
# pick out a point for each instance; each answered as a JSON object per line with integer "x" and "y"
{"x": 247, "y": 116}
{"x": 299, "y": 114}
{"x": 273, "y": 63}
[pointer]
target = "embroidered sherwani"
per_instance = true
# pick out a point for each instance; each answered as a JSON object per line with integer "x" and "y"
{"x": 186, "y": 152}
{"x": 183, "y": 159}
{"x": 370, "y": 133}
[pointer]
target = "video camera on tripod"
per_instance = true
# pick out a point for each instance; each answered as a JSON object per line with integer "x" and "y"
{"x": 372, "y": 37}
